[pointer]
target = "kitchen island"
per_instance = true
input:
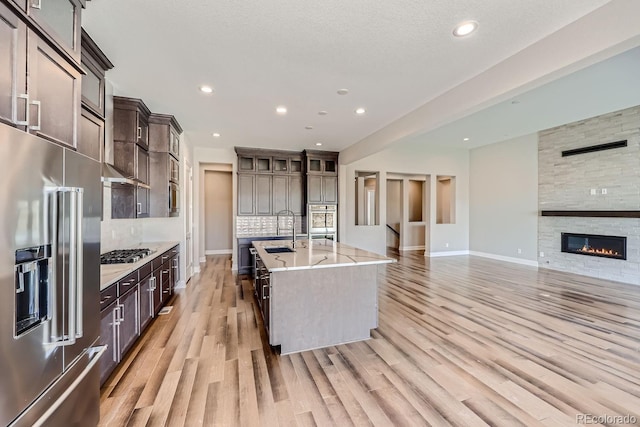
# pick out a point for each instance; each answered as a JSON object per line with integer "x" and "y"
{"x": 324, "y": 293}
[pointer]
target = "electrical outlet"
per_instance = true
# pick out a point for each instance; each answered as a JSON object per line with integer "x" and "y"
{"x": 541, "y": 254}
{"x": 603, "y": 191}
{"x": 594, "y": 192}
{"x": 446, "y": 245}
{"x": 519, "y": 250}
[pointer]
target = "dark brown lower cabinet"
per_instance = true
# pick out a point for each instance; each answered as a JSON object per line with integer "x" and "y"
{"x": 119, "y": 329}
{"x": 129, "y": 324}
{"x": 128, "y": 306}
{"x": 146, "y": 302}
{"x": 108, "y": 336}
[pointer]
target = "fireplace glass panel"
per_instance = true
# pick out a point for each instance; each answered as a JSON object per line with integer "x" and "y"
{"x": 595, "y": 245}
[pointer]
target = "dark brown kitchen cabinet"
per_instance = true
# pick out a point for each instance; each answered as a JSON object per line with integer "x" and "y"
{"x": 269, "y": 181}
{"x": 47, "y": 103}
{"x": 322, "y": 177}
{"x": 13, "y": 68}
{"x": 146, "y": 302}
{"x": 165, "y": 191}
{"x": 322, "y": 189}
{"x": 322, "y": 162}
{"x": 53, "y": 94}
{"x": 263, "y": 194}
{"x": 119, "y": 327}
{"x": 130, "y": 201}
{"x": 131, "y": 121}
{"x": 91, "y": 135}
{"x": 95, "y": 63}
{"x": 175, "y": 268}
{"x": 109, "y": 317}
{"x": 296, "y": 195}
{"x": 92, "y": 119}
{"x": 164, "y": 154}
{"x": 246, "y": 194}
{"x": 129, "y": 326}
{"x": 280, "y": 193}
{"x": 59, "y": 20}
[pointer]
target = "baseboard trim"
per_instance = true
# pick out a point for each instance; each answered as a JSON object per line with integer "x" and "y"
{"x": 218, "y": 251}
{"x": 448, "y": 253}
{"x": 196, "y": 270}
{"x": 203, "y": 260}
{"x": 181, "y": 285}
{"x": 412, "y": 248}
{"x": 505, "y": 258}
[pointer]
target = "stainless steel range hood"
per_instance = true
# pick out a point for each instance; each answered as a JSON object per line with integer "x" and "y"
{"x": 111, "y": 174}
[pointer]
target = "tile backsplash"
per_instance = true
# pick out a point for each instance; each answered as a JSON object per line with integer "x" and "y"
{"x": 267, "y": 225}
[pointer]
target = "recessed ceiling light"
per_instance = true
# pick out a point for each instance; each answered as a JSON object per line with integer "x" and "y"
{"x": 360, "y": 111}
{"x": 465, "y": 139}
{"x": 206, "y": 89}
{"x": 281, "y": 109}
{"x": 465, "y": 28}
{"x": 322, "y": 113}
{"x": 343, "y": 91}
{"x": 216, "y": 135}
{"x": 309, "y": 127}
{"x": 318, "y": 144}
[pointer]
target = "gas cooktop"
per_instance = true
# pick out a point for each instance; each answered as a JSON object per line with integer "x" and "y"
{"x": 123, "y": 256}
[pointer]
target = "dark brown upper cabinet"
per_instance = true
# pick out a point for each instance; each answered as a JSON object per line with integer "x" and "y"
{"x": 13, "y": 68}
{"x": 57, "y": 20}
{"x": 164, "y": 169}
{"x": 321, "y": 162}
{"x": 95, "y": 64}
{"x": 91, "y": 132}
{"x": 131, "y": 121}
{"x": 270, "y": 181}
{"x": 322, "y": 177}
{"x": 46, "y": 104}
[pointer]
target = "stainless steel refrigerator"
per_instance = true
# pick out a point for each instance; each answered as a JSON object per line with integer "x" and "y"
{"x": 50, "y": 205}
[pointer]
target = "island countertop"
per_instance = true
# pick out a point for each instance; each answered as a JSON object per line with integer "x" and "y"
{"x": 319, "y": 253}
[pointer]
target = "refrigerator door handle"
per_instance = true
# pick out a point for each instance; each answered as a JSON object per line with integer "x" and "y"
{"x": 75, "y": 325}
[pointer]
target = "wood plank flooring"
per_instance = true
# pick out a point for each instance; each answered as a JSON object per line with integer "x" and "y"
{"x": 462, "y": 341}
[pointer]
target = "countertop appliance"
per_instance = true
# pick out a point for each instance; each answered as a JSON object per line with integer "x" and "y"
{"x": 323, "y": 221}
{"x": 123, "y": 256}
{"x": 49, "y": 258}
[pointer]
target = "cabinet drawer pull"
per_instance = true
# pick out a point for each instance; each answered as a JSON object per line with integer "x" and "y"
{"x": 139, "y": 208}
{"x": 24, "y": 122}
{"x": 139, "y": 134}
{"x": 107, "y": 298}
{"x": 39, "y": 105}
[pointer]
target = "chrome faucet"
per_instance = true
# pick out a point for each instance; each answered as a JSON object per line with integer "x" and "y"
{"x": 293, "y": 227}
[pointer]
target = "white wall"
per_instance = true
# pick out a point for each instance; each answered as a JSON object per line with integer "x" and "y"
{"x": 503, "y": 200}
{"x": 410, "y": 158}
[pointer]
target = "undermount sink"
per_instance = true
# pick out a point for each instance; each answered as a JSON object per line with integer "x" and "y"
{"x": 278, "y": 249}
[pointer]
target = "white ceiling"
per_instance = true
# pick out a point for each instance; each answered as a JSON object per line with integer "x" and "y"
{"x": 394, "y": 56}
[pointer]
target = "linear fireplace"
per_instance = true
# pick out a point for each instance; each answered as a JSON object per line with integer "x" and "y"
{"x": 595, "y": 245}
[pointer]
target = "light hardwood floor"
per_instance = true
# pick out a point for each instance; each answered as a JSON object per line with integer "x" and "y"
{"x": 461, "y": 341}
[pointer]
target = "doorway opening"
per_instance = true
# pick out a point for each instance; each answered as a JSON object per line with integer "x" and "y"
{"x": 218, "y": 212}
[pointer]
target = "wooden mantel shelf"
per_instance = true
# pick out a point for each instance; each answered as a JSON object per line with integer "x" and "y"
{"x": 593, "y": 214}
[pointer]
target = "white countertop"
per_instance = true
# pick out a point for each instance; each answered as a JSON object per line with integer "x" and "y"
{"x": 318, "y": 253}
{"x": 111, "y": 273}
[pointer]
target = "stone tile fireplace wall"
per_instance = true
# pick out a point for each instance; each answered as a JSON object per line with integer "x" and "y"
{"x": 568, "y": 183}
